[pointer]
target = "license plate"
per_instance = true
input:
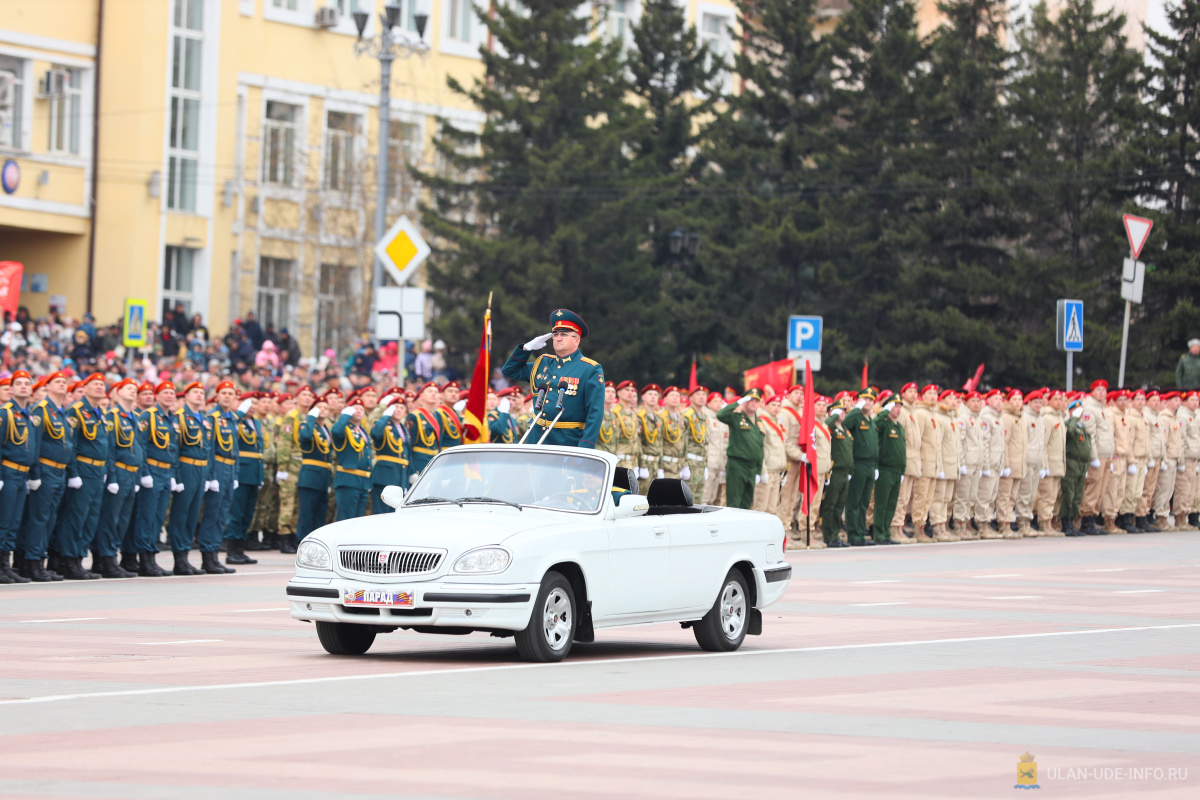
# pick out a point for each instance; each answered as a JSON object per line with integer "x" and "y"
{"x": 376, "y": 597}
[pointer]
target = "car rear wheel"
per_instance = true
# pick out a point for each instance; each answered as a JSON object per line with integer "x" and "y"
{"x": 551, "y": 629}
{"x": 344, "y": 638}
{"x": 724, "y": 626}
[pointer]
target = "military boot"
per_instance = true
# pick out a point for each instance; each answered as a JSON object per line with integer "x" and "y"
{"x": 1152, "y": 524}
{"x": 923, "y": 533}
{"x": 898, "y": 537}
{"x": 129, "y": 562}
{"x": 968, "y": 532}
{"x": 1069, "y": 529}
{"x": 148, "y": 567}
{"x": 237, "y": 554}
{"x": 287, "y": 543}
{"x": 940, "y": 534}
{"x": 1194, "y": 520}
{"x": 211, "y": 564}
{"x": 1111, "y": 526}
{"x": 72, "y": 570}
{"x": 1125, "y": 523}
{"x": 816, "y": 541}
{"x": 1024, "y": 531}
{"x": 6, "y": 568}
{"x": 183, "y": 567}
{"x": 38, "y": 574}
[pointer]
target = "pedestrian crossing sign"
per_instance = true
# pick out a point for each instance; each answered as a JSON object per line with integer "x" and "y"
{"x": 133, "y": 330}
{"x": 1069, "y": 327}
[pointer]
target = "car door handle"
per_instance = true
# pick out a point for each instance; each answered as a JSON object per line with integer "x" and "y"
{"x": 712, "y": 530}
{"x": 660, "y": 532}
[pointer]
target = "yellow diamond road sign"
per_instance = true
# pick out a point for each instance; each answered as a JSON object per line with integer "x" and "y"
{"x": 402, "y": 249}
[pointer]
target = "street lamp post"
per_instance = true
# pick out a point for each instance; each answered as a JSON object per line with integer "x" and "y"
{"x": 386, "y": 47}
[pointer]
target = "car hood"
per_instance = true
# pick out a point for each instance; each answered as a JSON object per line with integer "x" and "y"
{"x": 450, "y": 527}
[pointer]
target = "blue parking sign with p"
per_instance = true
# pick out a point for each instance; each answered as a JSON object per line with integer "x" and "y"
{"x": 804, "y": 333}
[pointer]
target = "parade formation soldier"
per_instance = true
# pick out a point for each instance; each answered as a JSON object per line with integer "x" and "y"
{"x": 696, "y": 442}
{"x": 744, "y": 455}
{"x": 250, "y": 475}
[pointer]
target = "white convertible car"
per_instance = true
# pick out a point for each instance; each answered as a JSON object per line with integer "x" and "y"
{"x": 532, "y": 542}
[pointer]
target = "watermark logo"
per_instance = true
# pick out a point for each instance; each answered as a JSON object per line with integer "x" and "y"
{"x": 1026, "y": 772}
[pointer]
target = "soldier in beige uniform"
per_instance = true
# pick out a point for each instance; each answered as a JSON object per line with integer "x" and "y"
{"x": 674, "y": 449}
{"x": 790, "y": 417}
{"x": 696, "y": 438}
{"x": 1054, "y": 431}
{"x": 1099, "y": 425}
{"x": 627, "y": 443}
{"x": 1172, "y": 457}
{"x": 910, "y": 395}
{"x": 650, "y": 430}
{"x": 991, "y": 432}
{"x": 1114, "y": 491}
{"x": 718, "y": 440}
{"x": 1154, "y": 434}
{"x": 1035, "y": 462}
{"x": 931, "y": 461}
{"x": 943, "y": 418}
{"x": 766, "y": 489}
{"x": 823, "y": 444}
{"x": 1014, "y": 464}
{"x": 1137, "y": 461}
{"x": 971, "y": 444}
{"x": 1186, "y": 480}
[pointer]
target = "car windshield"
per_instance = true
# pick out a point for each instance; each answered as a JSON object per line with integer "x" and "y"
{"x": 525, "y": 478}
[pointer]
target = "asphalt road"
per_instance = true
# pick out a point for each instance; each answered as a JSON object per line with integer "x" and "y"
{"x": 920, "y": 671}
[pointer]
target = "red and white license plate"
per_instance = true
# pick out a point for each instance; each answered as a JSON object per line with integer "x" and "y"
{"x": 376, "y": 597}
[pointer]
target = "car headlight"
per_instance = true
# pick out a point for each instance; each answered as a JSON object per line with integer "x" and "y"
{"x": 313, "y": 555}
{"x": 483, "y": 560}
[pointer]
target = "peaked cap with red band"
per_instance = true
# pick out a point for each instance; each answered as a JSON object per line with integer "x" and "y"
{"x": 563, "y": 319}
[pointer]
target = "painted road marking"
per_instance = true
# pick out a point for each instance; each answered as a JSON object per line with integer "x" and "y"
{"x": 1139, "y": 591}
{"x": 889, "y": 580}
{"x": 252, "y": 610}
{"x": 1017, "y": 597}
{"x": 568, "y": 664}
{"x": 1005, "y": 575}
{"x": 1115, "y": 569}
{"x": 864, "y": 605}
{"x": 182, "y": 641}
{"x": 67, "y": 619}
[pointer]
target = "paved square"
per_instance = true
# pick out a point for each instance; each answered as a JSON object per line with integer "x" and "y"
{"x": 885, "y": 672}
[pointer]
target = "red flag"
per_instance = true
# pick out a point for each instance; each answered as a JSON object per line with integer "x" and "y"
{"x": 10, "y": 286}
{"x": 475, "y": 427}
{"x": 973, "y": 382}
{"x": 778, "y": 376}
{"x": 692, "y": 383}
{"x": 864, "y": 381}
{"x": 808, "y": 475}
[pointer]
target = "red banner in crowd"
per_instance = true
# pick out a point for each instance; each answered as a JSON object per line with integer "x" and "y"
{"x": 692, "y": 384}
{"x": 475, "y": 426}
{"x": 10, "y": 286}
{"x": 808, "y": 472}
{"x": 776, "y": 376}
{"x": 971, "y": 383}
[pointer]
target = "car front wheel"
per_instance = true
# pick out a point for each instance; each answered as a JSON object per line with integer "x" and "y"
{"x": 551, "y": 629}
{"x": 724, "y": 626}
{"x": 344, "y": 638}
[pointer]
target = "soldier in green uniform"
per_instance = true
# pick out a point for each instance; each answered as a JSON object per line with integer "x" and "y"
{"x": 1079, "y": 453}
{"x": 862, "y": 475}
{"x": 744, "y": 456}
{"x": 393, "y": 451}
{"x": 352, "y": 477}
{"x": 842, "y": 454}
{"x": 696, "y": 442}
{"x": 627, "y": 440}
{"x": 580, "y": 378}
{"x": 893, "y": 458}
{"x": 289, "y": 457}
{"x": 650, "y": 434}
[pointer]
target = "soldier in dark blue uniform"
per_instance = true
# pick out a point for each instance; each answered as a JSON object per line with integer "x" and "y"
{"x": 55, "y": 452}
{"x": 502, "y": 428}
{"x": 19, "y": 439}
{"x": 393, "y": 451}
{"x": 316, "y": 470}
{"x": 86, "y": 476}
{"x": 126, "y": 458}
{"x": 222, "y": 479}
{"x": 352, "y": 477}
{"x": 250, "y": 476}
{"x": 157, "y": 480}
{"x": 583, "y": 398}
{"x": 195, "y": 442}
{"x": 448, "y": 419}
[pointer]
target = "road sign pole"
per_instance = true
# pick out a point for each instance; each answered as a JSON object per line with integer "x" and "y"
{"x": 1070, "y": 370}
{"x": 1124, "y": 345}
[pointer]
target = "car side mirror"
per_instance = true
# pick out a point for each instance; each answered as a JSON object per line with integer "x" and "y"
{"x": 631, "y": 505}
{"x": 392, "y": 495}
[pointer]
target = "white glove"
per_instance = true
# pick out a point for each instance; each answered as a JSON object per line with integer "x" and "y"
{"x": 902, "y": 479}
{"x": 837, "y": 412}
{"x": 245, "y": 406}
{"x": 72, "y": 483}
{"x": 113, "y": 488}
{"x": 235, "y": 484}
{"x": 212, "y": 486}
{"x": 314, "y": 412}
{"x": 1180, "y": 468}
{"x": 685, "y": 473}
{"x": 1198, "y": 469}
{"x": 987, "y": 473}
{"x": 390, "y": 410}
{"x": 861, "y": 403}
{"x": 281, "y": 476}
{"x": 178, "y": 488}
{"x": 1149, "y": 465}
{"x": 1, "y": 484}
{"x": 33, "y": 485}
{"x": 962, "y": 469}
{"x": 1004, "y": 473}
{"x": 644, "y": 473}
{"x": 1132, "y": 469}
{"x": 136, "y": 488}
{"x": 504, "y": 405}
{"x": 348, "y": 411}
{"x": 1045, "y": 473}
{"x": 1112, "y": 468}
{"x": 1096, "y": 464}
{"x": 706, "y": 473}
{"x": 803, "y": 457}
{"x": 941, "y": 476}
{"x": 661, "y": 474}
{"x": 744, "y": 399}
{"x": 147, "y": 481}
{"x": 876, "y": 474}
{"x": 827, "y": 481}
{"x": 173, "y": 484}
{"x": 538, "y": 342}
{"x": 460, "y": 405}
{"x": 757, "y": 479}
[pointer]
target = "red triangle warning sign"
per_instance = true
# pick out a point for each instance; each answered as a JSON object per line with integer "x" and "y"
{"x": 1138, "y": 231}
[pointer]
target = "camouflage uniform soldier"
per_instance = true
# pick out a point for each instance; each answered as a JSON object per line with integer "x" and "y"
{"x": 674, "y": 448}
{"x": 650, "y": 430}
{"x": 627, "y": 443}
{"x": 287, "y": 465}
{"x": 266, "y": 507}
{"x": 696, "y": 441}
{"x": 606, "y": 441}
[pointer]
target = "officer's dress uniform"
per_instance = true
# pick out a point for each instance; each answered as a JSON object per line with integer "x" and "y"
{"x": 583, "y": 398}
{"x": 862, "y": 476}
{"x": 316, "y": 476}
{"x": 425, "y": 434}
{"x": 451, "y": 427}
{"x": 222, "y": 468}
{"x": 127, "y": 443}
{"x": 195, "y": 443}
{"x": 841, "y": 453}
{"x": 352, "y": 479}
{"x": 251, "y": 474}
{"x": 627, "y": 443}
{"x": 1078, "y": 449}
{"x": 393, "y": 451}
{"x": 56, "y": 451}
{"x": 695, "y": 437}
{"x": 767, "y": 490}
{"x": 650, "y": 436}
{"x": 266, "y": 505}
{"x": 162, "y": 457}
{"x": 744, "y": 456}
{"x": 893, "y": 461}
{"x": 501, "y": 428}
{"x": 19, "y": 440}
{"x": 80, "y": 512}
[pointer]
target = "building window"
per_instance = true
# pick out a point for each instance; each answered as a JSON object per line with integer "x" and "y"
{"x": 272, "y": 301}
{"x": 620, "y": 21}
{"x": 288, "y": 5}
{"x": 178, "y": 279}
{"x": 184, "y": 137}
{"x": 335, "y": 307}
{"x": 714, "y": 32}
{"x": 279, "y": 143}
{"x": 340, "y": 129}
{"x": 12, "y": 95}
{"x": 64, "y": 114}
{"x": 458, "y": 20}
{"x": 404, "y": 151}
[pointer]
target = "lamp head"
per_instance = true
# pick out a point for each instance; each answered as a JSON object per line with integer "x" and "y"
{"x": 391, "y": 15}
{"x": 360, "y": 21}
{"x": 421, "y": 19}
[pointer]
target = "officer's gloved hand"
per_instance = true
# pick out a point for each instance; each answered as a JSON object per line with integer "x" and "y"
{"x": 33, "y": 485}
{"x": 644, "y": 473}
{"x": 661, "y": 474}
{"x": 390, "y": 410}
{"x": 212, "y": 486}
{"x": 538, "y": 342}
{"x": 281, "y": 476}
{"x": 460, "y": 405}
{"x": 757, "y": 479}
{"x": 902, "y": 479}
{"x": 1112, "y": 468}
{"x": 314, "y": 412}
{"x": 245, "y": 406}
{"x": 348, "y": 411}
{"x": 1045, "y": 473}
{"x": 147, "y": 481}
{"x": 1180, "y": 468}
{"x": 876, "y": 474}
{"x": 685, "y": 473}
{"x": 941, "y": 476}
{"x": 235, "y": 484}
{"x": 1132, "y": 469}
{"x": 1096, "y": 464}
{"x": 504, "y": 405}
{"x": 1149, "y": 465}
{"x": 962, "y": 469}
{"x": 1004, "y": 473}
{"x": 803, "y": 457}
{"x": 136, "y": 488}
{"x": 113, "y": 488}
{"x": 72, "y": 483}
{"x": 177, "y": 488}
{"x": 987, "y": 473}
{"x": 706, "y": 473}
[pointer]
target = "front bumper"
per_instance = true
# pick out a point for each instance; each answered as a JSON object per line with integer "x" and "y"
{"x": 773, "y": 582}
{"x": 436, "y": 603}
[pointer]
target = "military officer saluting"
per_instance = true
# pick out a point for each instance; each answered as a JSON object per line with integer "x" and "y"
{"x": 352, "y": 477}
{"x": 581, "y": 378}
{"x": 316, "y": 469}
{"x": 393, "y": 451}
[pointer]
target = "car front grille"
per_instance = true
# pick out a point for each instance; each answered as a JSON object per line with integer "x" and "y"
{"x": 391, "y": 562}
